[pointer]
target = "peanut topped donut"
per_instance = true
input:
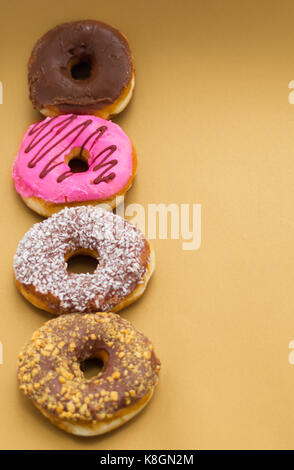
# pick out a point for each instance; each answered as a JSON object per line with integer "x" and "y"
{"x": 125, "y": 262}
{"x": 83, "y": 67}
{"x": 43, "y": 173}
{"x": 50, "y": 375}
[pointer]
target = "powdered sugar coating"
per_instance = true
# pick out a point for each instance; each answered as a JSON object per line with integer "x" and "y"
{"x": 123, "y": 258}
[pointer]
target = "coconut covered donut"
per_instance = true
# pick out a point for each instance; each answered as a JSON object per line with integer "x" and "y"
{"x": 43, "y": 173}
{"x": 82, "y": 67}
{"x": 50, "y": 375}
{"x": 125, "y": 262}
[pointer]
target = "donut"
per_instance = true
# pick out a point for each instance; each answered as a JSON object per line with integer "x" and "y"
{"x": 46, "y": 174}
{"x": 49, "y": 372}
{"x": 82, "y": 67}
{"x": 125, "y": 262}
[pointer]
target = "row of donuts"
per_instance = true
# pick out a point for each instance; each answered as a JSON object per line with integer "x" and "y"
{"x": 75, "y": 156}
{"x": 79, "y": 74}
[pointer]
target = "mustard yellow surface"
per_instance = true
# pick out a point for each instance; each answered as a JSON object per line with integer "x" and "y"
{"x": 212, "y": 124}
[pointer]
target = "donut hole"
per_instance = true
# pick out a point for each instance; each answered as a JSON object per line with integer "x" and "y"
{"x": 82, "y": 261}
{"x": 80, "y": 68}
{"x": 77, "y": 165}
{"x": 93, "y": 366}
{"x": 77, "y": 160}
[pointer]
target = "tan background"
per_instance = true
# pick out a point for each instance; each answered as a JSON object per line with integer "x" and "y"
{"x": 212, "y": 125}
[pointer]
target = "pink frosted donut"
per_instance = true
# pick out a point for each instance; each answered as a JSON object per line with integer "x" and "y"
{"x": 43, "y": 170}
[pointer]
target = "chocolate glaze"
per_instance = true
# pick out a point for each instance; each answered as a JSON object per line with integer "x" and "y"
{"x": 49, "y": 367}
{"x": 49, "y": 68}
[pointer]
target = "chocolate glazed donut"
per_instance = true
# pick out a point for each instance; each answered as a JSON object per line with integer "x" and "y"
{"x": 50, "y": 372}
{"x": 83, "y": 67}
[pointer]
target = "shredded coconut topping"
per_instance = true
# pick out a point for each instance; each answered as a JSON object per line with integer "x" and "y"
{"x": 123, "y": 257}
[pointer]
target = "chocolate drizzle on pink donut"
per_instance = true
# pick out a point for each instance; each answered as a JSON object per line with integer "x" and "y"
{"x": 61, "y": 129}
{"x": 103, "y": 163}
{"x": 42, "y": 168}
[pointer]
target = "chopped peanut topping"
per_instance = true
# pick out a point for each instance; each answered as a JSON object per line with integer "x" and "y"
{"x": 55, "y": 382}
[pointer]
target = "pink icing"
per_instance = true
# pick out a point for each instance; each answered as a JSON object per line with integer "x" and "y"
{"x": 40, "y": 170}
